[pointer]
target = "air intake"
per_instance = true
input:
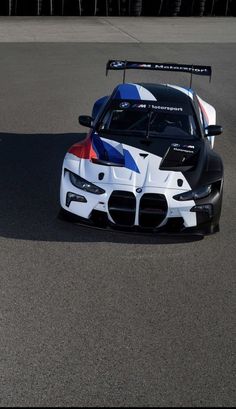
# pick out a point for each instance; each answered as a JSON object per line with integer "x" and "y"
{"x": 152, "y": 211}
{"x": 122, "y": 207}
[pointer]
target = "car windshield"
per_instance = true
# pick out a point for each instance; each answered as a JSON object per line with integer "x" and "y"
{"x": 150, "y": 119}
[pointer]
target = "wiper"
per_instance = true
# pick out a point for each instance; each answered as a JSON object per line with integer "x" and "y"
{"x": 150, "y": 115}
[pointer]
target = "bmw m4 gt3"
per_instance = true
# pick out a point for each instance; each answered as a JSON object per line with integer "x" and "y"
{"x": 148, "y": 160}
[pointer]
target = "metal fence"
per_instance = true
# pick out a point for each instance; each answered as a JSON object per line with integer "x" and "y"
{"x": 118, "y": 7}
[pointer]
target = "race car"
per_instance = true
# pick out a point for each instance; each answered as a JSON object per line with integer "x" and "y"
{"x": 147, "y": 162}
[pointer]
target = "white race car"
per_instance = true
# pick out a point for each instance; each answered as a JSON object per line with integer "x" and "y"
{"x": 147, "y": 162}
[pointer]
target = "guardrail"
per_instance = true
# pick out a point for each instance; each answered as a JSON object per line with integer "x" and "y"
{"x": 118, "y": 7}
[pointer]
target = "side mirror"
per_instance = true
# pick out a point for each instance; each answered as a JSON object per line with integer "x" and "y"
{"x": 213, "y": 130}
{"x": 86, "y": 120}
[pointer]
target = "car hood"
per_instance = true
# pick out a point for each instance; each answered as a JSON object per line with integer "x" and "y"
{"x": 160, "y": 164}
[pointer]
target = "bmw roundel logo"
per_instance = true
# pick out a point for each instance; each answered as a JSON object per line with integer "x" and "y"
{"x": 117, "y": 64}
{"x": 124, "y": 104}
{"x": 139, "y": 190}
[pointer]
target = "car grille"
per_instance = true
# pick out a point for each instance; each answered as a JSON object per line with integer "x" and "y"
{"x": 122, "y": 207}
{"x": 152, "y": 211}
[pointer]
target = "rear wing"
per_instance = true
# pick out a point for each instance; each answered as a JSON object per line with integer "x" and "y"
{"x": 203, "y": 70}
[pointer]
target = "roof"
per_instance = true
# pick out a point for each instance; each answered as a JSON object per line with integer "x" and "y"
{"x": 153, "y": 92}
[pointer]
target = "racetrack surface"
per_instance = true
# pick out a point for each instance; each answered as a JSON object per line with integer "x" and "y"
{"x": 117, "y": 29}
{"x": 91, "y": 317}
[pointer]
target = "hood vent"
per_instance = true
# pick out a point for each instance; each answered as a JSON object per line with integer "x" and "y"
{"x": 180, "y": 158}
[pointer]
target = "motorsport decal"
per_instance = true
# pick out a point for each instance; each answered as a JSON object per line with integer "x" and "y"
{"x": 157, "y": 107}
{"x": 180, "y": 157}
{"x": 153, "y": 105}
{"x": 187, "y": 68}
{"x": 183, "y": 148}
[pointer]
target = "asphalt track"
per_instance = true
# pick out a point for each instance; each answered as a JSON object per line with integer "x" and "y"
{"x": 90, "y": 317}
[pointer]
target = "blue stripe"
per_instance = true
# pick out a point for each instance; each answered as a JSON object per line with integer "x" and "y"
{"x": 113, "y": 154}
{"x": 130, "y": 162}
{"x": 127, "y": 91}
{"x": 105, "y": 151}
{"x": 98, "y": 146}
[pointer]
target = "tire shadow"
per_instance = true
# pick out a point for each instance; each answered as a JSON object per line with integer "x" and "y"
{"x": 30, "y": 171}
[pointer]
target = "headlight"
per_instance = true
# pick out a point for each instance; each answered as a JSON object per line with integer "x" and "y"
{"x": 194, "y": 194}
{"x": 83, "y": 184}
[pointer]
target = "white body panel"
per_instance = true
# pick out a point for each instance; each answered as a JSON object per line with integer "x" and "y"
{"x": 150, "y": 179}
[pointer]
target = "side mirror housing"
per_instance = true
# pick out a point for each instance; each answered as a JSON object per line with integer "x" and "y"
{"x": 86, "y": 120}
{"x": 213, "y": 130}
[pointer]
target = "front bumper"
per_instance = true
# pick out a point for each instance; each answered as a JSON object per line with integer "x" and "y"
{"x": 129, "y": 207}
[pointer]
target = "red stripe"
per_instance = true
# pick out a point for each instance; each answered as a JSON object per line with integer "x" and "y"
{"x": 83, "y": 150}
